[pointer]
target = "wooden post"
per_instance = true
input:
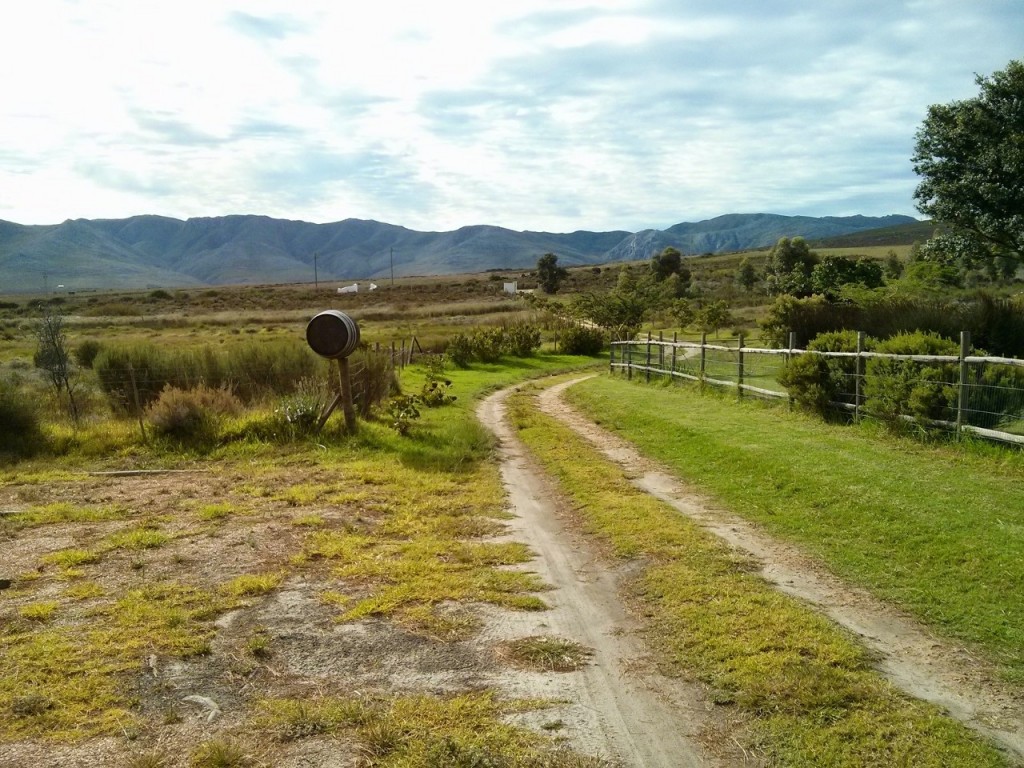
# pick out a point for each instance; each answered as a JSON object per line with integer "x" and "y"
{"x": 135, "y": 401}
{"x": 661, "y": 351}
{"x": 346, "y": 395}
{"x": 739, "y": 368}
{"x": 647, "y": 364}
{"x": 858, "y": 376}
{"x": 629, "y": 359}
{"x": 961, "y": 401}
{"x": 703, "y": 353}
{"x": 789, "y": 359}
{"x": 675, "y": 340}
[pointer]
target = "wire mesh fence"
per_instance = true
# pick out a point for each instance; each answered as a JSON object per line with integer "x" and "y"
{"x": 962, "y": 393}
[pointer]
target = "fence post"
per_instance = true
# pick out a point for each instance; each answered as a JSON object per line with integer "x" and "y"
{"x": 703, "y": 353}
{"x": 611, "y": 357}
{"x": 739, "y": 369}
{"x": 675, "y": 340}
{"x": 647, "y": 364}
{"x": 788, "y": 359}
{"x": 858, "y": 376}
{"x": 661, "y": 351}
{"x": 961, "y": 401}
{"x": 135, "y": 401}
{"x": 629, "y": 359}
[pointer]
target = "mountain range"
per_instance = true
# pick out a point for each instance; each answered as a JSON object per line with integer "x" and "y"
{"x": 161, "y": 252}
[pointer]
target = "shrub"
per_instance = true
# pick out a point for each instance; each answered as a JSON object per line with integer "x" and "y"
{"x": 298, "y": 414}
{"x": 522, "y": 339}
{"x": 488, "y": 344}
{"x": 923, "y": 390}
{"x": 373, "y": 380}
{"x": 435, "y": 391}
{"x": 460, "y": 350}
{"x": 19, "y": 422}
{"x": 807, "y": 380}
{"x": 581, "y": 340}
{"x": 260, "y": 368}
{"x": 192, "y": 417}
{"x": 86, "y": 352}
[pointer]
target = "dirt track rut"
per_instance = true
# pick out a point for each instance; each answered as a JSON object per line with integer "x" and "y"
{"x": 617, "y": 707}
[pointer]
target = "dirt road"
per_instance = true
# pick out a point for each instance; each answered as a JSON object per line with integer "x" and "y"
{"x": 914, "y": 659}
{"x": 618, "y": 707}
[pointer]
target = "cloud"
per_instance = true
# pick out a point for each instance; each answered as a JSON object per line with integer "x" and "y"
{"x": 592, "y": 114}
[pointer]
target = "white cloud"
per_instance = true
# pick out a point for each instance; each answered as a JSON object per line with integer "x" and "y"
{"x": 592, "y": 114}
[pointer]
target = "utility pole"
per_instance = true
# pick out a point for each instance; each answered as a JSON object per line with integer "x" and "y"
{"x": 316, "y": 277}
{"x": 392, "y": 267}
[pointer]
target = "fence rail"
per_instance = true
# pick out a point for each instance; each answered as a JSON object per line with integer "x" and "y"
{"x": 983, "y": 404}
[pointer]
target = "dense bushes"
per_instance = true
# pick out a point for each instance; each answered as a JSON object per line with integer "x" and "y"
{"x": 19, "y": 422}
{"x": 251, "y": 370}
{"x": 488, "y": 345}
{"x": 923, "y": 390}
{"x": 192, "y": 417}
{"x": 816, "y": 381}
{"x": 581, "y": 340}
{"x": 996, "y": 325}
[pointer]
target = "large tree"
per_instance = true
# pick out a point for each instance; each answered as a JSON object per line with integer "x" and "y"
{"x": 970, "y": 156}
{"x": 549, "y": 274}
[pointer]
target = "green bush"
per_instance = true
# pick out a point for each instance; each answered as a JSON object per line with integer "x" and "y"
{"x": 19, "y": 422}
{"x": 522, "y": 339}
{"x": 86, "y": 352}
{"x": 142, "y": 369}
{"x": 581, "y": 340}
{"x": 192, "y": 417}
{"x": 460, "y": 350}
{"x": 265, "y": 368}
{"x": 373, "y": 380}
{"x": 923, "y": 390}
{"x": 298, "y": 414}
{"x": 807, "y": 380}
{"x": 488, "y": 344}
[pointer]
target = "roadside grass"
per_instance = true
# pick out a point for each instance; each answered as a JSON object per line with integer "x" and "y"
{"x": 807, "y": 688}
{"x": 459, "y": 731}
{"x": 936, "y": 529}
{"x": 545, "y": 653}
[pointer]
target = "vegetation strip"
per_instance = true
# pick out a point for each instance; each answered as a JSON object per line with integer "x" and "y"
{"x": 934, "y": 529}
{"x": 808, "y": 688}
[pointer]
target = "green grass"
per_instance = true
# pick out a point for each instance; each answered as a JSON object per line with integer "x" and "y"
{"x": 807, "y": 689}
{"x": 938, "y": 530}
{"x": 461, "y": 731}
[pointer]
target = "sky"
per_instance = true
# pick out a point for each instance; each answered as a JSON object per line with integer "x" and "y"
{"x": 549, "y": 115}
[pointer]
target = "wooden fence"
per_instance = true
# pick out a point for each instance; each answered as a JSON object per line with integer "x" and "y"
{"x": 754, "y": 370}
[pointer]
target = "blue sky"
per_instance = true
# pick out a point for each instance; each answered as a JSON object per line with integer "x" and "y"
{"x": 530, "y": 114}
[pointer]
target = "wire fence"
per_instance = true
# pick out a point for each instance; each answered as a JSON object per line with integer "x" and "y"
{"x": 961, "y": 393}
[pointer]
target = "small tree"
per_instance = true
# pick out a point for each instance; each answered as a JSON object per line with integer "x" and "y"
{"x": 746, "y": 275}
{"x": 549, "y": 274}
{"x": 52, "y": 355}
{"x": 788, "y": 268}
{"x": 713, "y": 316}
{"x": 669, "y": 262}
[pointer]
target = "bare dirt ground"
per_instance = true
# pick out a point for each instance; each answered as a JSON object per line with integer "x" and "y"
{"x": 913, "y": 658}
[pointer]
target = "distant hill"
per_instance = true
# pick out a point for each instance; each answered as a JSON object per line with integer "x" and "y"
{"x": 901, "y": 234}
{"x": 156, "y": 251}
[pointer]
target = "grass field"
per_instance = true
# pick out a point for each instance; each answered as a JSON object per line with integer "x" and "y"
{"x": 938, "y": 530}
{"x": 806, "y": 688}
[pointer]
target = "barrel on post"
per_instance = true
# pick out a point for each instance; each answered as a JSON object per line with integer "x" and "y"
{"x": 335, "y": 335}
{"x": 332, "y": 334}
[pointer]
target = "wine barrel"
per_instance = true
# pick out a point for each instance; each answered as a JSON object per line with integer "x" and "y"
{"x": 332, "y": 334}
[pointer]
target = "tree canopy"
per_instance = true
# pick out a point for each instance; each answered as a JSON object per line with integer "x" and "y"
{"x": 549, "y": 274}
{"x": 970, "y": 156}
